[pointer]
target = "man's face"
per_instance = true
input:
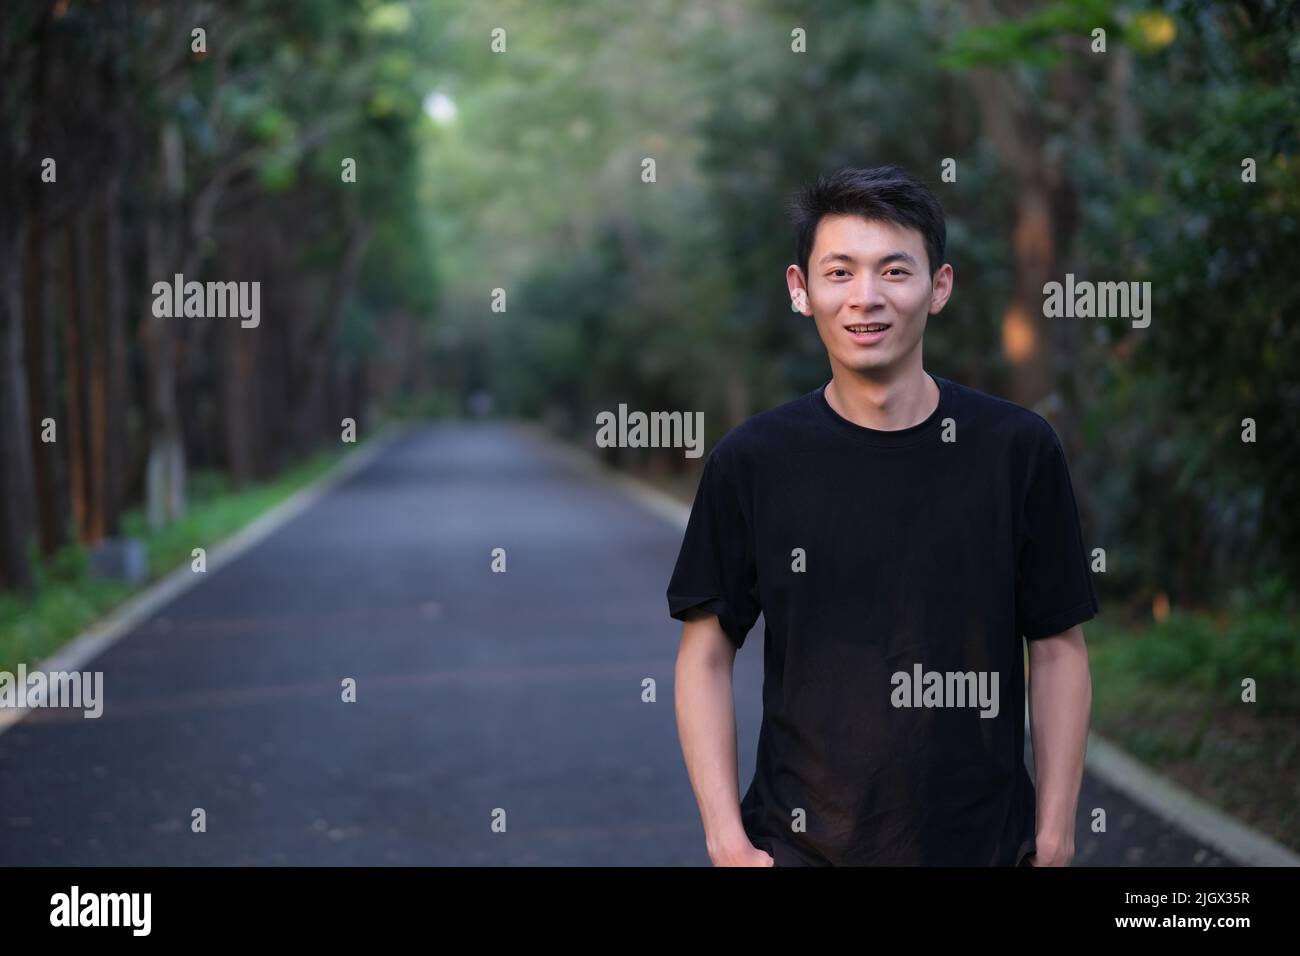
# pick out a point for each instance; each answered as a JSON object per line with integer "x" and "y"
{"x": 863, "y": 274}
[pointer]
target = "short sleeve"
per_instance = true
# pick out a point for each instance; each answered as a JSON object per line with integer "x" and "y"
{"x": 1054, "y": 587}
{"x": 715, "y": 568}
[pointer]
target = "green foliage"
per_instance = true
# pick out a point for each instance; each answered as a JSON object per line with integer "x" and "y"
{"x": 1196, "y": 652}
{"x": 665, "y": 294}
{"x": 1030, "y": 40}
{"x": 67, "y": 598}
{"x": 270, "y": 125}
{"x": 1193, "y": 507}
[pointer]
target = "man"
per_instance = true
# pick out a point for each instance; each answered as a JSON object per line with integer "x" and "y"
{"x": 900, "y": 533}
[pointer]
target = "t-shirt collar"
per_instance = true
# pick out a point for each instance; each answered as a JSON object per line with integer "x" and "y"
{"x": 891, "y": 438}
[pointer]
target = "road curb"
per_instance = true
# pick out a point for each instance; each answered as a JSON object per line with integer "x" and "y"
{"x": 652, "y": 499}
{"x": 103, "y": 634}
{"x": 1234, "y": 839}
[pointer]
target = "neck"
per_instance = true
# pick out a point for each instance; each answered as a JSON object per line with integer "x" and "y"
{"x": 882, "y": 402}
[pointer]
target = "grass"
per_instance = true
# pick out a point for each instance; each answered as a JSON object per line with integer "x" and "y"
{"x": 1171, "y": 695}
{"x": 67, "y": 599}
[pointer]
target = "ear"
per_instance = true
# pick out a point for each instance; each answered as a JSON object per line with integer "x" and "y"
{"x": 798, "y": 288}
{"x": 940, "y": 288}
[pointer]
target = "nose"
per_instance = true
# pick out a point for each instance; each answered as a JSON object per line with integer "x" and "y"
{"x": 866, "y": 293}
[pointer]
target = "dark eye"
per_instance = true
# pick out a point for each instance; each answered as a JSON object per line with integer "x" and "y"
{"x": 898, "y": 270}
{"x": 845, "y": 271}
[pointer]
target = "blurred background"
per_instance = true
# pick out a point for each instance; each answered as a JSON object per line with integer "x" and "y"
{"x": 446, "y": 206}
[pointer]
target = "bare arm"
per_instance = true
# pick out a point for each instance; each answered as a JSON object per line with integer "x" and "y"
{"x": 706, "y": 724}
{"x": 1060, "y": 702}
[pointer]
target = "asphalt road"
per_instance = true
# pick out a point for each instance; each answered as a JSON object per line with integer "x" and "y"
{"x": 477, "y": 692}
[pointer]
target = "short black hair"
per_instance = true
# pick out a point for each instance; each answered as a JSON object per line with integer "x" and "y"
{"x": 882, "y": 193}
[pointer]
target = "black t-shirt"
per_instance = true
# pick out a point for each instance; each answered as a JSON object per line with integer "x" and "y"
{"x": 896, "y": 572}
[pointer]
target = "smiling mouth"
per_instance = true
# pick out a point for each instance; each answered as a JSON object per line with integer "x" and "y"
{"x": 865, "y": 328}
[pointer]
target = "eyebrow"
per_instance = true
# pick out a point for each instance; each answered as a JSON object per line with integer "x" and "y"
{"x": 896, "y": 256}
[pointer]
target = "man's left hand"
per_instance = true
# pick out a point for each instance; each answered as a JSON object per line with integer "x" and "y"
{"x": 1052, "y": 854}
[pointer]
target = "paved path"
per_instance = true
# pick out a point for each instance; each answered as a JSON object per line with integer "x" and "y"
{"x": 475, "y": 691}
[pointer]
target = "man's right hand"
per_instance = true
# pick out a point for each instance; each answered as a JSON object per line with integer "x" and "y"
{"x": 740, "y": 852}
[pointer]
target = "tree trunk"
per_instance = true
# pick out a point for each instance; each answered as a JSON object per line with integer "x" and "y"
{"x": 50, "y": 483}
{"x": 1027, "y": 341}
{"x": 238, "y": 381}
{"x": 1044, "y": 221}
{"x": 15, "y": 464}
{"x": 316, "y": 419}
{"x": 74, "y": 433}
{"x": 90, "y": 277}
{"x": 115, "y": 352}
{"x": 165, "y": 471}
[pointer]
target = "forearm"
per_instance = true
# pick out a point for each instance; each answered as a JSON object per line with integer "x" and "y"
{"x": 706, "y": 723}
{"x": 1060, "y": 704}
